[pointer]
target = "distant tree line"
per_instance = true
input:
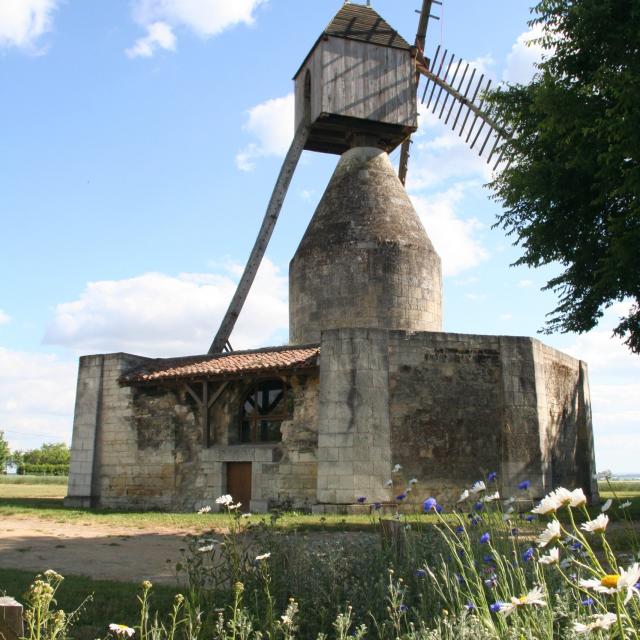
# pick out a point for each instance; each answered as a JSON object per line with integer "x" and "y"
{"x": 49, "y": 459}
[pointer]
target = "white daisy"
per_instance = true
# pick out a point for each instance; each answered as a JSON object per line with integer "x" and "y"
{"x": 477, "y": 487}
{"x": 464, "y": 495}
{"x": 509, "y": 501}
{"x": 388, "y": 483}
{"x": 578, "y": 499}
{"x": 606, "y": 505}
{"x": 224, "y": 500}
{"x": 614, "y": 583}
{"x": 492, "y": 497}
{"x": 551, "y": 533}
{"x": 625, "y": 504}
{"x": 535, "y": 596}
{"x": 396, "y": 468}
{"x": 121, "y": 629}
{"x": 413, "y": 481}
{"x": 231, "y": 507}
{"x": 549, "y": 504}
{"x": 553, "y": 557}
{"x": 263, "y": 556}
{"x": 205, "y": 509}
{"x": 604, "y": 475}
{"x": 600, "y": 621}
{"x": 208, "y": 547}
{"x": 596, "y": 526}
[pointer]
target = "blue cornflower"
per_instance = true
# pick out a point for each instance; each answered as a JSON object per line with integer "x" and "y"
{"x": 470, "y": 606}
{"x": 587, "y": 602}
{"x": 514, "y": 532}
{"x": 439, "y": 508}
{"x": 484, "y": 538}
{"x": 478, "y": 506}
{"x": 401, "y": 497}
{"x": 576, "y": 546}
{"x": 403, "y": 608}
{"x": 475, "y": 520}
{"x": 362, "y": 499}
{"x": 524, "y": 485}
{"x": 429, "y": 504}
{"x": 530, "y": 518}
{"x": 459, "y": 529}
{"x": 492, "y": 477}
{"x": 377, "y": 505}
{"x": 487, "y": 558}
{"x": 420, "y": 573}
{"x": 496, "y": 606}
{"x": 528, "y": 554}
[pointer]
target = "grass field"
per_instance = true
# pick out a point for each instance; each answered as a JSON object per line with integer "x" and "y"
{"x": 15, "y": 479}
{"x": 45, "y": 501}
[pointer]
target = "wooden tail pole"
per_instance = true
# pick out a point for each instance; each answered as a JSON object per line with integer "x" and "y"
{"x": 271, "y": 216}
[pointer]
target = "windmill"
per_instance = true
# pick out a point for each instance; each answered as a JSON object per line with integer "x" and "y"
{"x": 359, "y": 85}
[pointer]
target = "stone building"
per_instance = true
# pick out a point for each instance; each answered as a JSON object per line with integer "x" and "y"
{"x": 369, "y": 379}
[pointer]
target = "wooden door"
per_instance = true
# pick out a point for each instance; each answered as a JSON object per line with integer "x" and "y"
{"x": 239, "y": 483}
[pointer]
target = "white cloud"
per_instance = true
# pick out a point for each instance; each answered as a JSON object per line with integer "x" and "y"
{"x": 524, "y": 54}
{"x": 271, "y": 124}
{"x": 36, "y": 398}
{"x": 22, "y": 22}
{"x": 453, "y": 238}
{"x": 159, "y": 315}
{"x": 445, "y": 157}
{"x": 159, "y": 36}
{"x": 476, "y": 297}
{"x": 205, "y": 18}
{"x": 5, "y": 318}
{"x": 525, "y": 283}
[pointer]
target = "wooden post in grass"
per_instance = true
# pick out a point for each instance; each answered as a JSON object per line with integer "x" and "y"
{"x": 11, "y": 627}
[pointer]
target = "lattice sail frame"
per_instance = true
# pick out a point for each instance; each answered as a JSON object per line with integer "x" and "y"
{"x": 468, "y": 97}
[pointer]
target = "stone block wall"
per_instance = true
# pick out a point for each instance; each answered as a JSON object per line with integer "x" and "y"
{"x": 354, "y": 449}
{"x": 464, "y": 405}
{"x": 446, "y": 409}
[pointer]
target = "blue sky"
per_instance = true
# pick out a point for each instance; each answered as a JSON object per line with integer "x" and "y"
{"x": 139, "y": 142}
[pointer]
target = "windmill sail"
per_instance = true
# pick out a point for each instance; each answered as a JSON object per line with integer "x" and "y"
{"x": 452, "y": 88}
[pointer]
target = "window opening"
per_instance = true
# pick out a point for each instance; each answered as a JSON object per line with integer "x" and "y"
{"x": 263, "y": 411}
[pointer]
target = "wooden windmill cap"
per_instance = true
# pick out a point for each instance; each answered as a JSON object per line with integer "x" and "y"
{"x": 357, "y": 81}
{"x": 361, "y": 23}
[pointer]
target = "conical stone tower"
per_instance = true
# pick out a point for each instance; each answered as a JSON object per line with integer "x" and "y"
{"x": 365, "y": 259}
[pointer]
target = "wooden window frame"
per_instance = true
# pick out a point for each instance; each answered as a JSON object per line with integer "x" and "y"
{"x": 256, "y": 418}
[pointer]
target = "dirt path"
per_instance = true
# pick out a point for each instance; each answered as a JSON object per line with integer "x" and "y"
{"x": 99, "y": 552}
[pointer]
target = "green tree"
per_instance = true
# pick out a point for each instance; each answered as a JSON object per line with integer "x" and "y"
{"x": 571, "y": 194}
{"x": 4, "y": 453}
{"x": 56, "y": 453}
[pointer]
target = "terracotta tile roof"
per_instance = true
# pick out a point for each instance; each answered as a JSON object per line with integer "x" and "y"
{"x": 357, "y": 22}
{"x": 233, "y": 364}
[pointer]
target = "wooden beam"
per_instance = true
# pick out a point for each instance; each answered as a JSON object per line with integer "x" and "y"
{"x": 270, "y": 217}
{"x": 217, "y": 394}
{"x": 11, "y": 626}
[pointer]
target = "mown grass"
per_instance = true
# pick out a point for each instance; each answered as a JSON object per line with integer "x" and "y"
{"x": 45, "y": 501}
{"x": 111, "y": 601}
{"x": 13, "y": 479}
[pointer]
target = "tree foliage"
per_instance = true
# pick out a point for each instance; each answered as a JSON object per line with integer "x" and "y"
{"x": 571, "y": 194}
{"x": 4, "y": 452}
{"x": 48, "y": 454}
